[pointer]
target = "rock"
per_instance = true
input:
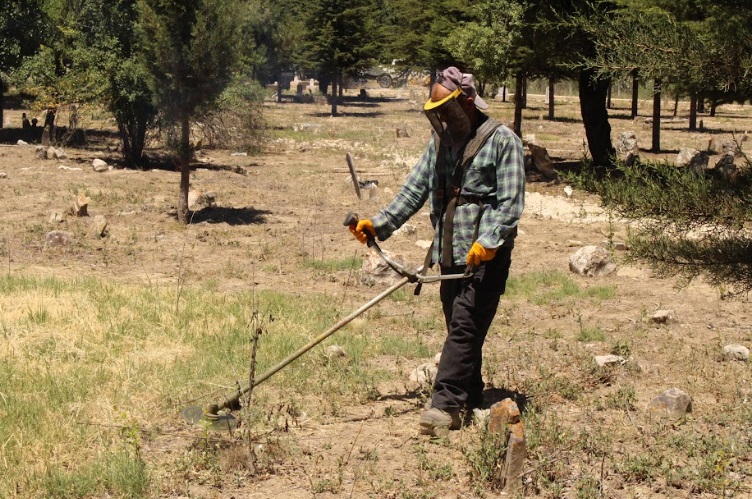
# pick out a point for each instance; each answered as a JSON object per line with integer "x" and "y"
{"x": 573, "y": 243}
{"x": 663, "y": 316}
{"x": 69, "y": 168}
{"x": 542, "y": 161}
{"x": 3, "y": 175}
{"x": 736, "y": 352}
{"x": 609, "y": 360}
{"x": 591, "y": 261}
{"x": 239, "y": 154}
{"x": 406, "y": 230}
{"x": 80, "y": 207}
{"x": 480, "y": 416}
{"x": 726, "y": 167}
{"x": 685, "y": 156}
{"x": 731, "y": 148}
{"x": 712, "y": 147}
{"x": 673, "y": 403}
{"x": 198, "y": 199}
{"x": 424, "y": 375}
{"x": 402, "y": 131}
{"x": 335, "y": 351}
{"x": 60, "y": 154}
{"x": 437, "y": 358}
{"x": 99, "y": 166}
{"x": 56, "y": 217}
{"x": 568, "y": 191}
{"x": 98, "y": 227}
{"x": 626, "y": 145}
{"x": 422, "y": 243}
{"x": 40, "y": 152}
{"x": 57, "y": 238}
{"x": 22, "y": 143}
{"x": 50, "y": 153}
{"x": 376, "y": 271}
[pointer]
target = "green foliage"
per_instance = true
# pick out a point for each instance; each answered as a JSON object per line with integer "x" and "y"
{"x": 21, "y": 21}
{"x": 485, "y": 44}
{"x": 690, "y": 224}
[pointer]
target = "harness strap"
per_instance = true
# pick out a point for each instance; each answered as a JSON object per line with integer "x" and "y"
{"x": 471, "y": 150}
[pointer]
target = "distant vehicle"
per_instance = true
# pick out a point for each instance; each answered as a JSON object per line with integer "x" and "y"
{"x": 389, "y": 75}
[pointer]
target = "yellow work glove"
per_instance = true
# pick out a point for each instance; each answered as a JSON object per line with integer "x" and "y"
{"x": 479, "y": 254}
{"x": 359, "y": 231}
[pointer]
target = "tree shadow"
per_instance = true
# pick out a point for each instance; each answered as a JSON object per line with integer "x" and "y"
{"x": 230, "y": 216}
{"x": 349, "y": 115}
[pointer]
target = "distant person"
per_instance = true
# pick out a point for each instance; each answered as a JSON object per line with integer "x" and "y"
{"x": 34, "y": 122}
{"x": 25, "y": 124}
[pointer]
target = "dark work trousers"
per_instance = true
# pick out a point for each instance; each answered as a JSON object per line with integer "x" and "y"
{"x": 469, "y": 307}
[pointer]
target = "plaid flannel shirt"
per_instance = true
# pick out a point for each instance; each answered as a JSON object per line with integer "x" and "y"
{"x": 496, "y": 175}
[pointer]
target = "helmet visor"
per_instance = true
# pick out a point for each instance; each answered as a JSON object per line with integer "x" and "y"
{"x": 448, "y": 119}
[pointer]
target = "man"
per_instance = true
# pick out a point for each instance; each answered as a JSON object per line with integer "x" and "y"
{"x": 472, "y": 174}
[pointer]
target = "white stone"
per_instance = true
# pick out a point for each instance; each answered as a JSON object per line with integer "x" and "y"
{"x": 405, "y": 230}
{"x": 3, "y": 175}
{"x": 674, "y": 403}
{"x": 736, "y": 352}
{"x": 422, "y": 243}
{"x": 685, "y": 156}
{"x": 99, "y": 166}
{"x": 608, "y": 360}
{"x": 424, "y": 374}
{"x": 333, "y": 351}
{"x": 22, "y": 143}
{"x": 591, "y": 261}
{"x": 568, "y": 191}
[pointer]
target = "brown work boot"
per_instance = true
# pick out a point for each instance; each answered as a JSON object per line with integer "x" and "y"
{"x": 437, "y": 422}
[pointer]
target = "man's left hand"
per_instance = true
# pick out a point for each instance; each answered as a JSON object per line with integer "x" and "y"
{"x": 478, "y": 254}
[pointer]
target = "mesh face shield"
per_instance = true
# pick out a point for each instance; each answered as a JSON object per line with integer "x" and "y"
{"x": 448, "y": 119}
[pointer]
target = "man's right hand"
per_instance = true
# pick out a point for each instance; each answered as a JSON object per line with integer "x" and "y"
{"x": 362, "y": 230}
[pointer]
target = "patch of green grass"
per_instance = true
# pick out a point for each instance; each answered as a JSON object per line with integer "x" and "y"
{"x": 548, "y": 287}
{"x": 348, "y": 263}
{"x": 118, "y": 346}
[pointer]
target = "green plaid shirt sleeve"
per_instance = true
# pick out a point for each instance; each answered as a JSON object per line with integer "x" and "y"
{"x": 411, "y": 197}
{"x": 496, "y": 176}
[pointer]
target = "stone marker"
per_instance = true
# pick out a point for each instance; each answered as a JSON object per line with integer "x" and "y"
{"x": 376, "y": 271}
{"x": 736, "y": 352}
{"x": 56, "y": 217}
{"x": 504, "y": 418}
{"x": 22, "y": 143}
{"x": 80, "y": 207}
{"x": 98, "y": 227}
{"x": 673, "y": 403}
{"x": 3, "y": 175}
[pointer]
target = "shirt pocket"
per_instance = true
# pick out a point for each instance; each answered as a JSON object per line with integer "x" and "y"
{"x": 480, "y": 177}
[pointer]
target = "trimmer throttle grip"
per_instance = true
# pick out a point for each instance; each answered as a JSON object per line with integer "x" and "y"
{"x": 351, "y": 219}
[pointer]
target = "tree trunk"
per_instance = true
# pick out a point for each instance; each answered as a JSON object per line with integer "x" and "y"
{"x": 656, "y": 115}
{"x": 504, "y": 93}
{"x": 524, "y": 93}
{"x": 635, "y": 93}
{"x": 551, "y": 99}
{"x": 518, "y": 103}
{"x": 608, "y": 97}
{"x": 184, "y": 159}
{"x": 335, "y": 97}
{"x": 692, "y": 112}
{"x": 279, "y": 88}
{"x": 341, "y": 79}
{"x": 676, "y": 105}
{"x": 713, "y": 106}
{"x": 2, "y": 103}
{"x": 595, "y": 117}
{"x": 700, "y": 104}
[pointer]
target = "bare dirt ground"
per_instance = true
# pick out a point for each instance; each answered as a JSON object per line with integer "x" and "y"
{"x": 288, "y": 206}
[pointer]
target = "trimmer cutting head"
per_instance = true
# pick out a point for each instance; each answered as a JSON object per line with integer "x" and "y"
{"x": 209, "y": 417}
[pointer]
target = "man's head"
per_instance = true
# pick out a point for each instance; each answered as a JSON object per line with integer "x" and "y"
{"x": 453, "y": 106}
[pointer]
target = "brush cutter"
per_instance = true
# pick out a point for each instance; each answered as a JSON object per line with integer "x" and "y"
{"x": 217, "y": 416}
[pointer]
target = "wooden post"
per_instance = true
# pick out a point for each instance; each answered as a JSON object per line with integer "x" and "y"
{"x": 635, "y": 93}
{"x": 551, "y": 99}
